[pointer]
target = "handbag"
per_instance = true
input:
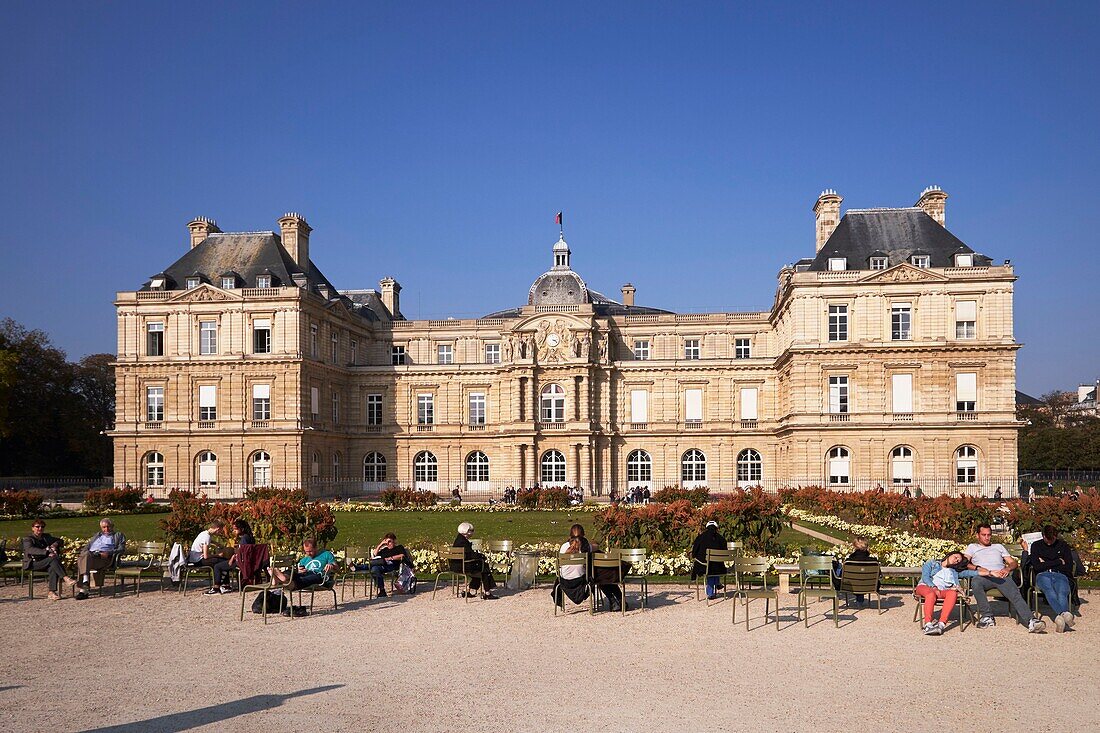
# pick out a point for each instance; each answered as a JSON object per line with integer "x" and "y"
{"x": 406, "y": 579}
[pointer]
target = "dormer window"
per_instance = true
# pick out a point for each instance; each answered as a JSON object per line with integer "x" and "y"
{"x": 838, "y": 263}
{"x": 966, "y": 260}
{"x": 192, "y": 282}
{"x": 263, "y": 281}
{"x": 879, "y": 263}
{"x": 157, "y": 283}
{"x": 229, "y": 282}
{"x": 923, "y": 261}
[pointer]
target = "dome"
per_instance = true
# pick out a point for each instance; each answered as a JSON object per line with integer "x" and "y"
{"x": 558, "y": 287}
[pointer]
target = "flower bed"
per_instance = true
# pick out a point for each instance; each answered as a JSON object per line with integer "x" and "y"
{"x": 364, "y": 506}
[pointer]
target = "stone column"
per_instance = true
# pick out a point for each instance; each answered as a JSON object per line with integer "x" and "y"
{"x": 522, "y": 466}
{"x": 577, "y": 475}
{"x": 522, "y": 399}
{"x": 586, "y": 468}
{"x": 583, "y": 398}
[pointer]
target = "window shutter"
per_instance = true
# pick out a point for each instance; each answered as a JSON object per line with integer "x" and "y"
{"x": 748, "y": 403}
{"x": 903, "y": 469}
{"x": 261, "y": 391}
{"x": 208, "y": 395}
{"x": 966, "y": 387}
{"x": 966, "y": 310}
{"x": 261, "y": 323}
{"x": 314, "y": 400}
{"x": 208, "y": 472}
{"x": 639, "y": 405}
{"x": 903, "y": 392}
{"x": 693, "y": 404}
{"x": 834, "y": 398}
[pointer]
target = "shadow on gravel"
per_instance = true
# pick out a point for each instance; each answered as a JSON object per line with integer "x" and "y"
{"x": 205, "y": 716}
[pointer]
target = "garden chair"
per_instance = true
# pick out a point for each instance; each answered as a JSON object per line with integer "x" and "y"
{"x": 574, "y": 558}
{"x": 1017, "y": 577}
{"x": 313, "y": 590}
{"x": 861, "y": 578}
{"x": 814, "y": 570}
{"x": 962, "y": 606}
{"x": 723, "y": 556}
{"x": 13, "y": 546}
{"x": 355, "y": 555}
{"x": 136, "y": 560}
{"x": 637, "y": 571}
{"x": 460, "y": 581}
{"x": 736, "y": 545}
{"x": 608, "y": 561}
{"x": 505, "y": 546}
{"x": 190, "y": 568}
{"x": 1033, "y": 592}
{"x": 748, "y": 571}
{"x": 283, "y": 563}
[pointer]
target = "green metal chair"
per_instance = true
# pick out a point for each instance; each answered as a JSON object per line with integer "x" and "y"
{"x": 574, "y": 558}
{"x": 962, "y": 605}
{"x": 635, "y": 557}
{"x": 607, "y": 561}
{"x": 505, "y": 546}
{"x": 736, "y": 545}
{"x": 457, "y": 554}
{"x": 190, "y": 569}
{"x": 748, "y": 572}
{"x": 356, "y": 555}
{"x": 815, "y": 581}
{"x": 283, "y": 563}
{"x": 861, "y": 578}
{"x": 13, "y": 546}
{"x": 138, "y": 559}
{"x": 723, "y": 556}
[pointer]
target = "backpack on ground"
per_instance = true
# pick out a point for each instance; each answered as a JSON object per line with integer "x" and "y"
{"x": 276, "y": 602}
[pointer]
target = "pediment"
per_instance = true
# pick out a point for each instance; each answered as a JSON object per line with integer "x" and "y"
{"x": 566, "y": 320}
{"x": 904, "y": 273}
{"x": 204, "y": 293}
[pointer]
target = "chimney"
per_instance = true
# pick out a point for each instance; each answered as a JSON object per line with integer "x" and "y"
{"x": 827, "y": 213}
{"x": 391, "y": 297}
{"x": 295, "y": 236}
{"x": 934, "y": 202}
{"x": 200, "y": 228}
{"x": 628, "y": 294}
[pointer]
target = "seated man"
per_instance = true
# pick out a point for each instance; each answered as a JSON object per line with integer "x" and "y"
{"x": 100, "y": 553}
{"x": 475, "y": 565}
{"x": 995, "y": 564}
{"x": 709, "y": 539}
{"x": 1052, "y": 560}
{"x": 388, "y": 557}
{"x": 315, "y": 567}
{"x": 42, "y": 552}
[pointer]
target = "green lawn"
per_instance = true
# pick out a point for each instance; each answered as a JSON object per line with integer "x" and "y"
{"x": 416, "y": 529}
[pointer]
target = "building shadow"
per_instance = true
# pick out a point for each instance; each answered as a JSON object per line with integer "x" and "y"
{"x": 212, "y": 714}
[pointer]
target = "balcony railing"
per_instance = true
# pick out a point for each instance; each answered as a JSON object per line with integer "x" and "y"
{"x": 840, "y": 417}
{"x": 476, "y": 426}
{"x": 153, "y": 425}
{"x": 424, "y": 428}
{"x": 903, "y": 417}
{"x": 551, "y": 426}
{"x": 260, "y": 424}
{"x": 373, "y": 428}
{"x": 206, "y": 425}
{"x": 693, "y": 424}
{"x": 749, "y": 424}
{"x": 638, "y": 425}
{"x": 967, "y": 416}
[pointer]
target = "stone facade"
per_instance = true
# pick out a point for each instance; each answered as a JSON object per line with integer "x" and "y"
{"x": 915, "y": 385}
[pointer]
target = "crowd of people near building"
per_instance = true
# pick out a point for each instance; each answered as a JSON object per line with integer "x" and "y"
{"x": 983, "y": 567}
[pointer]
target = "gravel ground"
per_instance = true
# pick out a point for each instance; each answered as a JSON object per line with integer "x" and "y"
{"x": 163, "y": 662}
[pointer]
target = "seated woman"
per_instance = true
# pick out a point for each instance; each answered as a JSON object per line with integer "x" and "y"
{"x": 243, "y": 536}
{"x": 940, "y": 580}
{"x": 573, "y": 582}
{"x": 388, "y": 556}
{"x": 205, "y": 552}
{"x": 475, "y": 565}
{"x": 861, "y": 552}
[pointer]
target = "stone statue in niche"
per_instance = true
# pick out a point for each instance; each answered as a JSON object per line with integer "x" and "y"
{"x": 602, "y": 346}
{"x": 584, "y": 346}
{"x": 506, "y": 346}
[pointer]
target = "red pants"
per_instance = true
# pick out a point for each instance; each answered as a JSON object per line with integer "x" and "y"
{"x": 929, "y": 596}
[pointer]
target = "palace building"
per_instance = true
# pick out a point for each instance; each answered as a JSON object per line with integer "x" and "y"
{"x": 887, "y": 357}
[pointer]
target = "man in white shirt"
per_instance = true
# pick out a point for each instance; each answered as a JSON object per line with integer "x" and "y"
{"x": 995, "y": 566}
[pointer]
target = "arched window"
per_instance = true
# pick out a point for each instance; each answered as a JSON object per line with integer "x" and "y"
{"x": 477, "y": 470}
{"x": 425, "y": 471}
{"x": 750, "y": 469}
{"x": 553, "y": 404}
{"x": 315, "y": 466}
{"x": 335, "y": 466}
{"x": 840, "y": 465}
{"x": 966, "y": 465}
{"x": 693, "y": 469}
{"x": 261, "y": 468}
{"x": 639, "y": 468}
{"x": 374, "y": 468}
{"x": 553, "y": 468}
{"x": 154, "y": 470}
{"x": 901, "y": 465}
{"x": 208, "y": 469}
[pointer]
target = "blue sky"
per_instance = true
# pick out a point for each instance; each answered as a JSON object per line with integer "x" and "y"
{"x": 434, "y": 142}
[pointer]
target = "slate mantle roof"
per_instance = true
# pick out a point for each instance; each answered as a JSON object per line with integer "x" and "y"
{"x": 895, "y": 233}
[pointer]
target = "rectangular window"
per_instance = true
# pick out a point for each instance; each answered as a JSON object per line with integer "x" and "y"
{"x": 901, "y": 322}
{"x": 966, "y": 392}
{"x": 335, "y": 407}
{"x": 261, "y": 402}
{"x": 313, "y": 341}
{"x": 374, "y": 409}
{"x": 964, "y": 260}
{"x": 477, "y": 408}
{"x": 748, "y": 403}
{"x": 693, "y": 405}
{"x": 838, "y": 395}
{"x": 228, "y": 283}
{"x": 397, "y": 355}
{"x": 641, "y": 349}
{"x": 691, "y": 348}
{"x": 154, "y": 404}
{"x": 315, "y": 403}
{"x": 966, "y": 319}
{"x": 901, "y": 390}
{"x": 921, "y": 261}
{"x": 261, "y": 336}
{"x": 742, "y": 348}
{"x": 192, "y": 282}
{"x": 879, "y": 263}
{"x": 492, "y": 353}
{"x": 335, "y": 347}
{"x": 838, "y": 323}
{"x": 444, "y": 354}
{"x": 263, "y": 281}
{"x": 425, "y": 409}
{"x": 838, "y": 263}
{"x": 208, "y": 337}
{"x": 208, "y": 402}
{"x": 154, "y": 339}
{"x": 639, "y": 406}
{"x": 353, "y": 346}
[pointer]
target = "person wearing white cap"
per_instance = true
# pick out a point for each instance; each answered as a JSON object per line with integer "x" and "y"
{"x": 709, "y": 539}
{"x": 475, "y": 566}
